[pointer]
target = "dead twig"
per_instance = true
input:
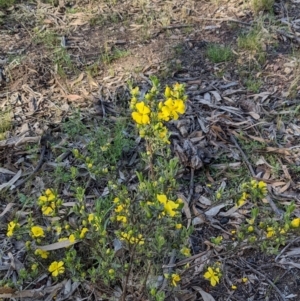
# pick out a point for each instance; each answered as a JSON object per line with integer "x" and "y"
{"x": 243, "y": 155}
{"x": 288, "y": 35}
{"x": 191, "y": 188}
{"x": 225, "y": 20}
{"x": 39, "y": 165}
{"x": 282, "y": 297}
{"x": 286, "y": 247}
{"x": 278, "y": 212}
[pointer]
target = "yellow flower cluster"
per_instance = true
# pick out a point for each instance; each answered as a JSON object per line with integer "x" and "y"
{"x": 11, "y": 227}
{"x": 270, "y": 232}
{"x": 170, "y": 207}
{"x": 150, "y": 114}
{"x": 42, "y": 253}
{"x": 257, "y": 187}
{"x": 121, "y": 211}
{"x": 260, "y": 186}
{"x": 131, "y": 238}
{"x": 242, "y": 199}
{"x": 48, "y": 202}
{"x": 171, "y": 109}
{"x": 94, "y": 220}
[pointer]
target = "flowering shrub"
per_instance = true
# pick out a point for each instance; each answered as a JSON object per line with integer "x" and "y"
{"x": 265, "y": 232}
{"x": 123, "y": 237}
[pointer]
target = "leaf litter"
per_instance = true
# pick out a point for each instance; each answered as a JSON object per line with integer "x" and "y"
{"x": 219, "y": 108}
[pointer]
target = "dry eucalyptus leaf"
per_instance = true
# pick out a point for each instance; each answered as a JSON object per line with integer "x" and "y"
{"x": 198, "y": 220}
{"x": 57, "y": 245}
{"x": 214, "y": 210}
{"x": 204, "y": 200}
{"x": 205, "y": 296}
{"x": 11, "y": 181}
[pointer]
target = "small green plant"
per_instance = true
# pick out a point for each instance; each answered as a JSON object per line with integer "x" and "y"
{"x": 5, "y": 123}
{"x": 262, "y": 5}
{"x": 261, "y": 229}
{"x": 102, "y": 20}
{"x": 253, "y": 84}
{"x": 108, "y": 56}
{"x": 6, "y": 3}
{"x": 250, "y": 41}
{"x": 219, "y": 54}
{"x": 59, "y": 54}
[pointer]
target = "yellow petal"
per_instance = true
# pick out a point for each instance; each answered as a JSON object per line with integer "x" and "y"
{"x": 142, "y": 108}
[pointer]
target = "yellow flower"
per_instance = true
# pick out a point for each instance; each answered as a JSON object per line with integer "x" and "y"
{"x": 167, "y": 92}
{"x": 242, "y": 199}
{"x": 119, "y": 208}
{"x": 175, "y": 107}
{"x": 162, "y": 198}
{"x": 91, "y": 217}
{"x": 245, "y": 279}
{"x": 34, "y": 267}
{"x": 134, "y": 91}
{"x": 185, "y": 251}
{"x": 162, "y": 133}
{"x": 282, "y": 231}
{"x": 178, "y": 226}
{"x": 254, "y": 184}
{"x": 251, "y": 221}
{"x": 234, "y": 287}
{"x": 212, "y": 275}
{"x": 116, "y": 200}
{"x": 295, "y": 223}
{"x": 37, "y": 231}
{"x": 48, "y": 197}
{"x": 43, "y": 199}
{"x": 124, "y": 235}
{"x": 122, "y": 218}
{"x": 250, "y": 229}
{"x": 140, "y": 239}
{"x": 111, "y": 271}
{"x": 42, "y": 253}
{"x": 142, "y": 114}
{"x": 72, "y": 238}
{"x": 48, "y": 209}
{"x": 58, "y": 229}
{"x": 169, "y": 206}
{"x": 262, "y": 186}
{"x": 174, "y": 279}
{"x": 270, "y": 232}
{"x": 83, "y": 231}
{"x": 11, "y": 227}
{"x": 56, "y": 268}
